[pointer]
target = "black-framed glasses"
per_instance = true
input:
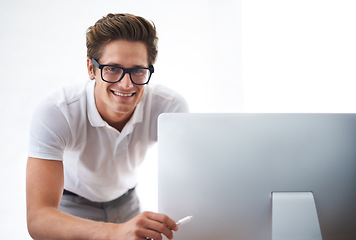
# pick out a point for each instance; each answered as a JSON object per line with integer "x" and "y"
{"x": 113, "y": 73}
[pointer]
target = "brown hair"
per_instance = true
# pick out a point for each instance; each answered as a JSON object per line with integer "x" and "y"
{"x": 121, "y": 27}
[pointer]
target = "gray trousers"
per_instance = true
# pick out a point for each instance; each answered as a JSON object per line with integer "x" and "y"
{"x": 118, "y": 210}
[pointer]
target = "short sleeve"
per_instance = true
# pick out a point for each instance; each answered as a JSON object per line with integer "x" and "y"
{"x": 49, "y": 132}
{"x": 177, "y": 105}
{"x": 165, "y": 100}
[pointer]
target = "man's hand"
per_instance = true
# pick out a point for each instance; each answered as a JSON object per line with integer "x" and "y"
{"x": 148, "y": 225}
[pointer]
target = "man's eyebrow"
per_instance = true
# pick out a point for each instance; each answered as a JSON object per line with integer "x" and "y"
{"x": 119, "y": 65}
{"x": 139, "y": 66}
{"x": 112, "y": 64}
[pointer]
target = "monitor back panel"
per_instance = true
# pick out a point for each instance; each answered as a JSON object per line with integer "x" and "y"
{"x": 222, "y": 168}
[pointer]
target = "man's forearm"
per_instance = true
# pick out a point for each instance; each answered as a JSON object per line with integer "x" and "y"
{"x": 53, "y": 224}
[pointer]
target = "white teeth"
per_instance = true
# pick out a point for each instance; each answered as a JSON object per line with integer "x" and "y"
{"x": 123, "y": 95}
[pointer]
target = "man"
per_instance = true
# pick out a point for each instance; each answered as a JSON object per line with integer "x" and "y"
{"x": 86, "y": 141}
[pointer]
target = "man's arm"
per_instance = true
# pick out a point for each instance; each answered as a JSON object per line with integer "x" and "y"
{"x": 44, "y": 187}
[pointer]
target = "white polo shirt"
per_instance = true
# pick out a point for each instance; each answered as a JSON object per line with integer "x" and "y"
{"x": 99, "y": 161}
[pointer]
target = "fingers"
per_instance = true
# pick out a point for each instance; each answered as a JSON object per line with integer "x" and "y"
{"x": 153, "y": 225}
{"x": 163, "y": 219}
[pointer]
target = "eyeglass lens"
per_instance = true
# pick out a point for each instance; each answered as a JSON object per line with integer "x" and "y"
{"x": 113, "y": 74}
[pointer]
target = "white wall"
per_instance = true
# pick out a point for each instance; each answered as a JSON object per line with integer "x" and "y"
{"x": 42, "y": 48}
{"x": 299, "y": 55}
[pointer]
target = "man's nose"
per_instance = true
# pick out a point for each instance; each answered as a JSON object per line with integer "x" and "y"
{"x": 126, "y": 82}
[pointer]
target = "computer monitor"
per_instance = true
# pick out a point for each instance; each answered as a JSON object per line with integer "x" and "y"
{"x": 227, "y": 170}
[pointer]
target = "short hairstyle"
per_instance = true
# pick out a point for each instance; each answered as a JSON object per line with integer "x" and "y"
{"x": 121, "y": 27}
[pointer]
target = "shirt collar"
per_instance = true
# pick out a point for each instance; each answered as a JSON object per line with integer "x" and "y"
{"x": 94, "y": 115}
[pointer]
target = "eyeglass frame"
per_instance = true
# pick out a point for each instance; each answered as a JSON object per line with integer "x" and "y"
{"x": 125, "y": 70}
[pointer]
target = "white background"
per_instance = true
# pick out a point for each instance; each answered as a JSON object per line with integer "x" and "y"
{"x": 223, "y": 56}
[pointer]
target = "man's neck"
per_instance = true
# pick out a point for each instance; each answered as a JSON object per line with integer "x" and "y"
{"x": 118, "y": 121}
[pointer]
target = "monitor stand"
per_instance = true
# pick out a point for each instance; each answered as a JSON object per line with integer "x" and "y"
{"x": 294, "y": 216}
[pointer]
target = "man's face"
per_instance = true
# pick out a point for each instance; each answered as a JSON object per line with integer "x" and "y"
{"x": 117, "y": 101}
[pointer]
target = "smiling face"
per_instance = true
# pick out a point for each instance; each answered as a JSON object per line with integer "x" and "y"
{"x": 116, "y": 102}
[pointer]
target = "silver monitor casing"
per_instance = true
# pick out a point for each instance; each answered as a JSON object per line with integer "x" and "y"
{"x": 223, "y": 169}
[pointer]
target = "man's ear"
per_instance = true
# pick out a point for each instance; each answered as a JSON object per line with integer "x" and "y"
{"x": 90, "y": 69}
